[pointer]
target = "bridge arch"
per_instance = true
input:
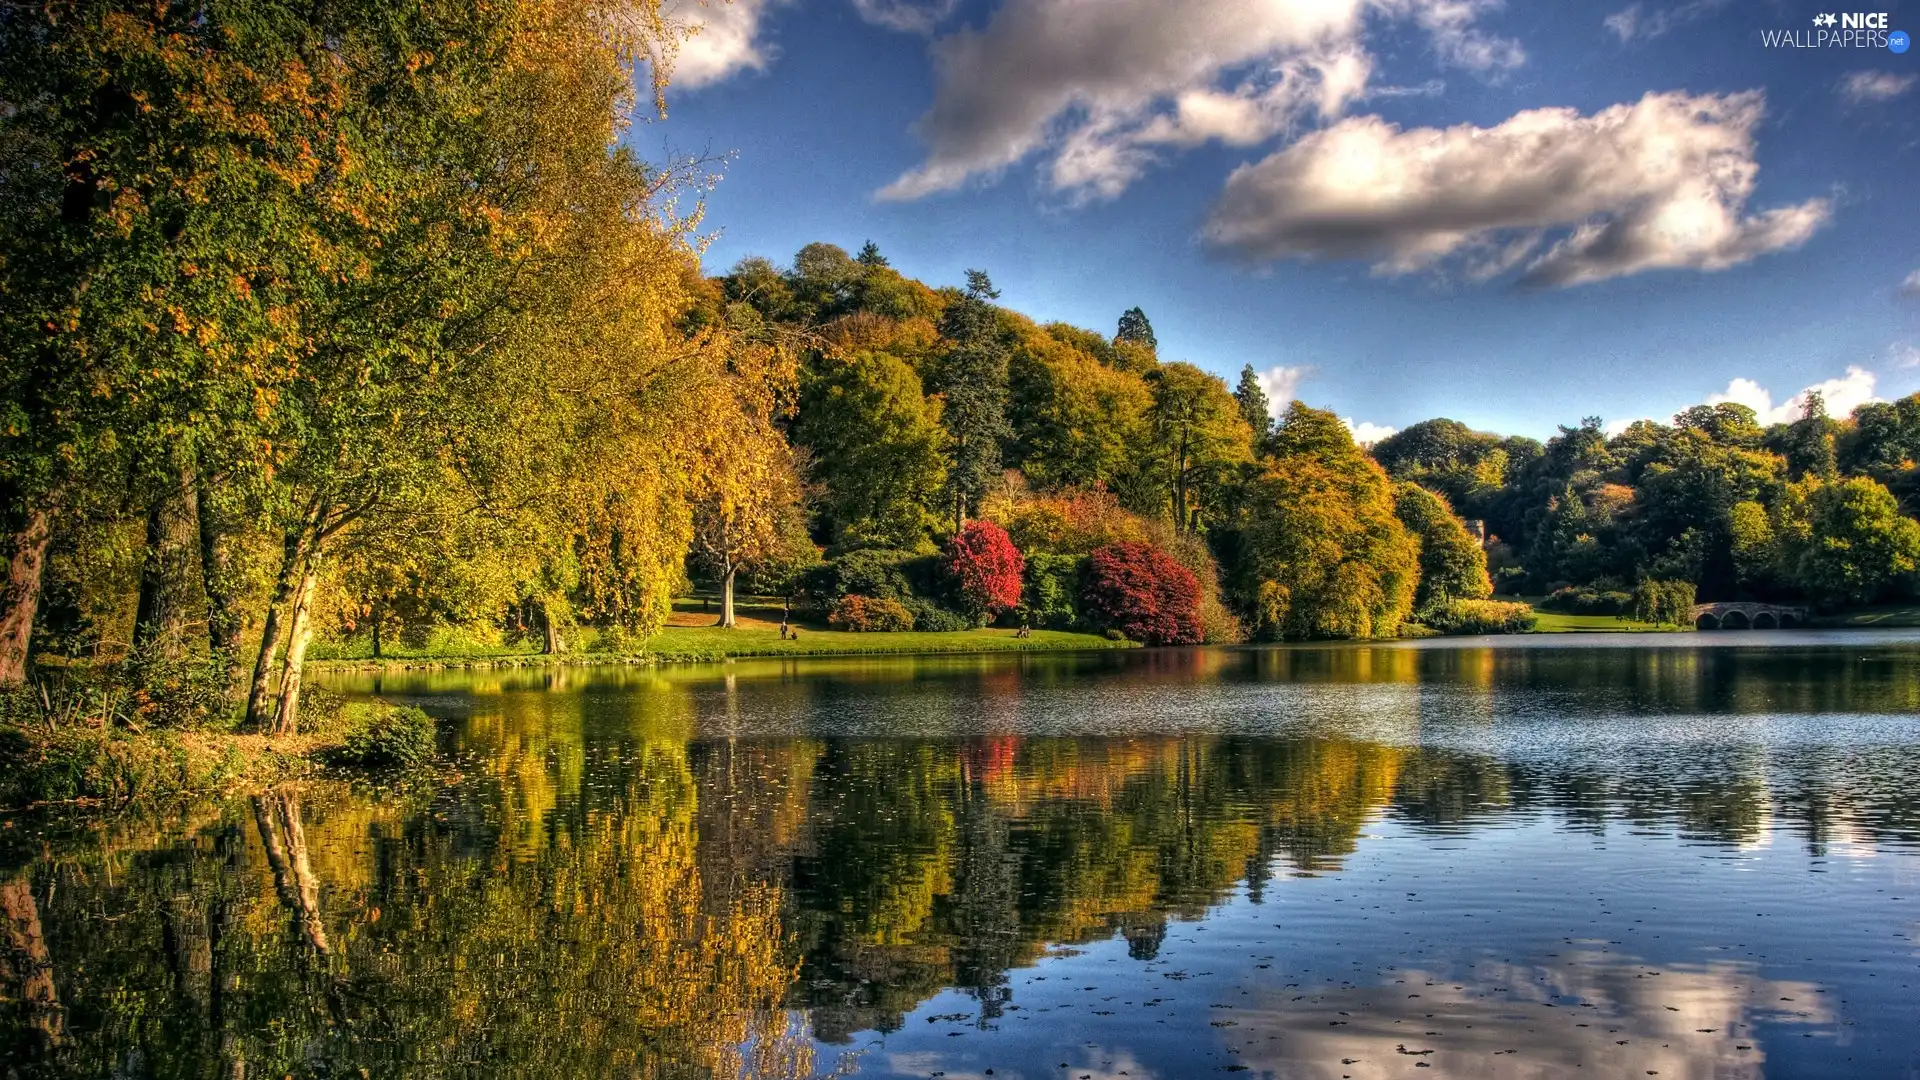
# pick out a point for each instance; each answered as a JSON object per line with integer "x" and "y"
{"x": 1765, "y": 621}
{"x": 1735, "y": 620}
{"x": 1707, "y": 621}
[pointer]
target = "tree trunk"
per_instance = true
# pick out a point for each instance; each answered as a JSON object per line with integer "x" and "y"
{"x": 218, "y": 580}
{"x": 189, "y": 950}
{"x": 20, "y": 596}
{"x": 167, "y": 584}
{"x": 25, "y": 968}
{"x": 292, "y": 570}
{"x": 553, "y": 645}
{"x": 277, "y": 814}
{"x": 378, "y": 616}
{"x": 287, "y": 717}
{"x": 726, "y": 595}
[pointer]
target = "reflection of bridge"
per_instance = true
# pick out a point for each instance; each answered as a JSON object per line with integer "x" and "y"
{"x": 1731, "y": 616}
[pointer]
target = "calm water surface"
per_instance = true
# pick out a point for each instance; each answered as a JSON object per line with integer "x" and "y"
{"x": 1675, "y": 856}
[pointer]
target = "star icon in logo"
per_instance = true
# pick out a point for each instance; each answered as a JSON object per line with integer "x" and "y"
{"x": 1824, "y": 20}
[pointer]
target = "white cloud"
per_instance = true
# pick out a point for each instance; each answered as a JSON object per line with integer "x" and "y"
{"x": 906, "y": 16}
{"x": 1659, "y": 183}
{"x": 1637, "y": 22}
{"x": 1106, "y": 85}
{"x": 1842, "y": 395}
{"x": 1911, "y": 286}
{"x": 1282, "y": 386}
{"x": 1366, "y": 432}
{"x": 1617, "y": 427}
{"x": 1904, "y": 355}
{"x": 1873, "y": 87}
{"x": 724, "y": 39}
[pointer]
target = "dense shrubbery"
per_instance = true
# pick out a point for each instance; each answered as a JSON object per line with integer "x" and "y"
{"x": 1668, "y": 602}
{"x": 862, "y": 614}
{"x": 876, "y": 573}
{"x": 1053, "y": 590}
{"x": 929, "y": 617}
{"x": 1143, "y": 593}
{"x": 383, "y": 736}
{"x": 1587, "y": 600}
{"x": 1479, "y": 617}
{"x": 984, "y": 570}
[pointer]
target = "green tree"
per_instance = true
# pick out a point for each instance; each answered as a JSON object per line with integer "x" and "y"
{"x": 1254, "y": 407}
{"x": 1846, "y": 541}
{"x": 1199, "y": 439}
{"x": 1453, "y": 566}
{"x": 1076, "y": 421}
{"x": 1135, "y": 329}
{"x": 878, "y": 449}
{"x": 973, "y": 383}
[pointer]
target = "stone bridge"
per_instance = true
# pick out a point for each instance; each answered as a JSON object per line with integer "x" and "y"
{"x": 1733, "y": 616}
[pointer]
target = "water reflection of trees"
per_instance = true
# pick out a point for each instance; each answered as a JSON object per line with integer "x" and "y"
{"x": 618, "y": 885}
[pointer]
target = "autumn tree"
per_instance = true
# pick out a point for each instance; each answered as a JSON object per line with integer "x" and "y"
{"x": 1145, "y": 594}
{"x": 1453, "y": 566}
{"x": 1324, "y": 554}
{"x": 751, "y": 489}
{"x": 985, "y": 569}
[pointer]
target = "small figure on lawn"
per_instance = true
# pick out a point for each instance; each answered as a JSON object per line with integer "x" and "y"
{"x": 1026, "y": 630}
{"x": 786, "y": 628}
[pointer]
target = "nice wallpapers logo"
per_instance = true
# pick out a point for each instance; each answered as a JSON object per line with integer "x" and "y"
{"x": 1847, "y": 30}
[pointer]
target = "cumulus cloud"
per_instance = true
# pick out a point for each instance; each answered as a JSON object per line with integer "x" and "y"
{"x": 1911, "y": 286}
{"x": 906, "y": 16}
{"x": 723, "y": 39}
{"x": 1638, "y": 23}
{"x": 1282, "y": 386}
{"x": 1842, "y": 395}
{"x": 1366, "y": 432}
{"x": 1656, "y": 184}
{"x": 1873, "y": 87}
{"x": 1106, "y": 86}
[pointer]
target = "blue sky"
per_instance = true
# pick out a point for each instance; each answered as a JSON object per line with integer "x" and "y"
{"x": 1512, "y": 214}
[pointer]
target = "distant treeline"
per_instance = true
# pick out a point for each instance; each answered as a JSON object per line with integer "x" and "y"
{"x": 361, "y": 324}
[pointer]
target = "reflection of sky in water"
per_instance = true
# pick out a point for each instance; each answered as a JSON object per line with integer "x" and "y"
{"x": 1520, "y": 952}
{"x": 1680, "y": 858}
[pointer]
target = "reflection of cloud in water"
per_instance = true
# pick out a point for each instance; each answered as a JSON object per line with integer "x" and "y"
{"x": 1590, "y": 1016}
{"x": 1081, "y": 1062}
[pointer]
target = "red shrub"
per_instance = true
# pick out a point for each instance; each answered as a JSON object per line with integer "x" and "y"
{"x": 1140, "y": 591}
{"x": 986, "y": 570}
{"x": 864, "y": 613}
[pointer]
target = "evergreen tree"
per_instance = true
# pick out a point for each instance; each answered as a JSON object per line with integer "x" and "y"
{"x": 870, "y": 256}
{"x": 973, "y": 379}
{"x": 1134, "y": 327}
{"x": 1254, "y": 406}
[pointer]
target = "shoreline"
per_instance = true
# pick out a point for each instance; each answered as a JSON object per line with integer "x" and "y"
{"x": 751, "y": 644}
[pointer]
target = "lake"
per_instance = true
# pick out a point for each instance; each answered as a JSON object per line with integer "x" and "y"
{"x": 1689, "y": 855}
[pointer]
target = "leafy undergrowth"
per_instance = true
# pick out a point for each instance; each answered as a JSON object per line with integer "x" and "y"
{"x": 1554, "y": 622}
{"x": 115, "y": 764}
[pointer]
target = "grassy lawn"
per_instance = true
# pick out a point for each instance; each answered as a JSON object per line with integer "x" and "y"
{"x": 1863, "y": 618}
{"x": 1553, "y": 622}
{"x": 712, "y": 643}
{"x": 690, "y": 634}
